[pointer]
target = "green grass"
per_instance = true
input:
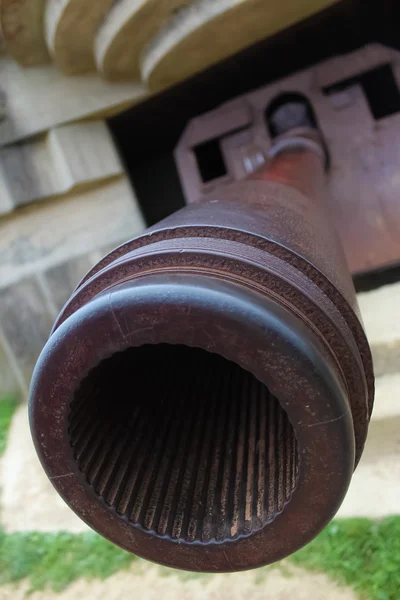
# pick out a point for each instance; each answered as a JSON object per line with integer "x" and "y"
{"x": 359, "y": 553}
{"x": 55, "y": 560}
{"x": 7, "y": 408}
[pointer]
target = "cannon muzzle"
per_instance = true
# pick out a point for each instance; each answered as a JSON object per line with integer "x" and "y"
{"x": 205, "y": 394}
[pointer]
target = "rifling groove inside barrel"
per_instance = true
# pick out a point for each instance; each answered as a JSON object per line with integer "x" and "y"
{"x": 184, "y": 443}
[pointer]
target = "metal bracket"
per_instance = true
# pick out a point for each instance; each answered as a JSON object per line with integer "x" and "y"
{"x": 364, "y": 149}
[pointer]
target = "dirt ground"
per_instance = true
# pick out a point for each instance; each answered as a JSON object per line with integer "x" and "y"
{"x": 149, "y": 584}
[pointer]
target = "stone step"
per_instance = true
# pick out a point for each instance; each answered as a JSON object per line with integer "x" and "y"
{"x": 387, "y": 397}
{"x": 36, "y": 238}
{"x": 380, "y": 310}
{"x": 130, "y": 25}
{"x": 69, "y": 156}
{"x": 44, "y": 250}
{"x": 172, "y": 39}
{"x": 70, "y": 29}
{"x": 21, "y": 23}
{"x": 40, "y": 98}
{"x": 208, "y": 31}
{"x": 375, "y": 488}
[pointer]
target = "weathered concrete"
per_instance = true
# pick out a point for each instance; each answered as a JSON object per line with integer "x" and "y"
{"x": 380, "y": 310}
{"x": 38, "y": 237}
{"x": 65, "y": 158}
{"x": 25, "y": 322}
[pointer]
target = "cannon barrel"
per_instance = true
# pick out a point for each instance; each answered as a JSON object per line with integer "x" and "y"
{"x": 205, "y": 394}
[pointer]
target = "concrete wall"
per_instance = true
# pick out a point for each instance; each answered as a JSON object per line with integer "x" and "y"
{"x": 45, "y": 249}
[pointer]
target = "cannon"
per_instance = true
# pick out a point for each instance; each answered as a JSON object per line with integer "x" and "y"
{"x": 205, "y": 394}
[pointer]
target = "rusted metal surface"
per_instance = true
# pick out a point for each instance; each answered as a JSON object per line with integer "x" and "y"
{"x": 205, "y": 394}
{"x": 361, "y": 126}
